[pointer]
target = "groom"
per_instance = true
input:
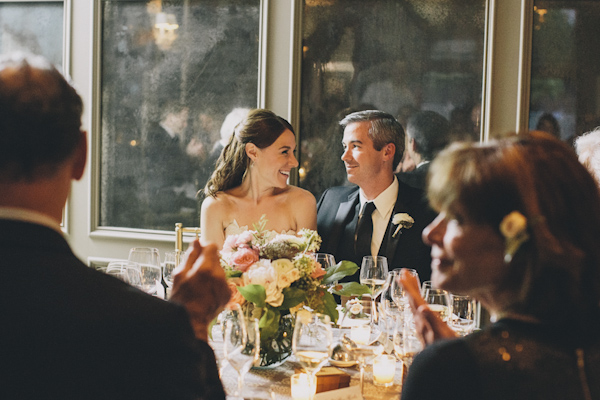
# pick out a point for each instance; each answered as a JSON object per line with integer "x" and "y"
{"x": 373, "y": 216}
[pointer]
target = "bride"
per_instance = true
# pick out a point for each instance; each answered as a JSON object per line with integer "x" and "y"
{"x": 250, "y": 180}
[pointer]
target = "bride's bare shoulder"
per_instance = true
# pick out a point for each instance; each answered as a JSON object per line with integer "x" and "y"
{"x": 301, "y": 195}
{"x": 221, "y": 202}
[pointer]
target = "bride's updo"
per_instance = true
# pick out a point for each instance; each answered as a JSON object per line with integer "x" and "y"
{"x": 260, "y": 127}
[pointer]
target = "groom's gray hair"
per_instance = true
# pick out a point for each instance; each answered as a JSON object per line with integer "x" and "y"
{"x": 384, "y": 129}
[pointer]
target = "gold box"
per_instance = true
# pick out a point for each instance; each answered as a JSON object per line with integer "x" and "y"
{"x": 330, "y": 378}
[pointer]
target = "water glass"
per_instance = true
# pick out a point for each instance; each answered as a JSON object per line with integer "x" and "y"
{"x": 463, "y": 318}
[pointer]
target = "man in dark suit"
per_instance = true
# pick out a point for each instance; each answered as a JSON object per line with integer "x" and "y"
{"x": 69, "y": 331}
{"x": 373, "y": 146}
{"x": 427, "y": 133}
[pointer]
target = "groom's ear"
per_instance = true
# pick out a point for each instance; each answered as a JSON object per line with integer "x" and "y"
{"x": 251, "y": 151}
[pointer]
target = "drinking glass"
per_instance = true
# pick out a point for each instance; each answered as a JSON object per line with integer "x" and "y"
{"x": 148, "y": 260}
{"x": 364, "y": 352}
{"x": 312, "y": 341}
{"x": 406, "y": 341}
{"x": 439, "y": 302}
{"x": 326, "y": 261}
{"x": 397, "y": 291}
{"x": 463, "y": 316}
{"x": 373, "y": 273}
{"x": 172, "y": 260}
{"x": 123, "y": 270}
{"x": 241, "y": 345}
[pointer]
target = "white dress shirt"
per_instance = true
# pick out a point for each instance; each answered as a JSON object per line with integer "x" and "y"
{"x": 381, "y": 216}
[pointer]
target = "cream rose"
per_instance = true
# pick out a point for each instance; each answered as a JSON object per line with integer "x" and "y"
{"x": 513, "y": 224}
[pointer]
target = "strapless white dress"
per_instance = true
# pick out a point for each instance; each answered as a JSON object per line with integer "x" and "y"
{"x": 234, "y": 229}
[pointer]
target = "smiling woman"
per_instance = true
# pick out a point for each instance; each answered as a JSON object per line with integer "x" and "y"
{"x": 250, "y": 181}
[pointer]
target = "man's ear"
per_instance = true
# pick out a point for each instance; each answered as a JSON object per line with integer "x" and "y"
{"x": 251, "y": 151}
{"x": 388, "y": 151}
{"x": 80, "y": 157}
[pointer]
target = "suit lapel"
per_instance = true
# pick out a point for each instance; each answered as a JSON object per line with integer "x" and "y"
{"x": 345, "y": 210}
{"x": 390, "y": 243}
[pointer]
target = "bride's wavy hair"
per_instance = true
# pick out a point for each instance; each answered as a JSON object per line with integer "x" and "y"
{"x": 260, "y": 127}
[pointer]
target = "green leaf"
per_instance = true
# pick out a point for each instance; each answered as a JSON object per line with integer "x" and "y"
{"x": 255, "y": 294}
{"x": 291, "y": 298}
{"x": 351, "y": 289}
{"x": 234, "y": 273}
{"x": 339, "y": 271}
{"x": 330, "y": 307}
{"x": 269, "y": 323}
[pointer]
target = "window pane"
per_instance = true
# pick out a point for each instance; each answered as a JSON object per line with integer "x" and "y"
{"x": 399, "y": 56}
{"x": 36, "y": 27}
{"x": 171, "y": 72}
{"x": 565, "y": 74}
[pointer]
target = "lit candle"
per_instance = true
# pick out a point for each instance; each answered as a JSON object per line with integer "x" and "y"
{"x": 360, "y": 334}
{"x": 384, "y": 369}
{"x": 303, "y": 388}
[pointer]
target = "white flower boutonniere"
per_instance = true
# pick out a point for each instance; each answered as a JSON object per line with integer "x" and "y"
{"x": 514, "y": 229}
{"x": 403, "y": 220}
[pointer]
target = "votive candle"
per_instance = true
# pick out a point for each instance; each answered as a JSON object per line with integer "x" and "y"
{"x": 384, "y": 369}
{"x": 303, "y": 388}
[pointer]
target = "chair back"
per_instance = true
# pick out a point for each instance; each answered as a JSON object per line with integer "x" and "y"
{"x": 179, "y": 231}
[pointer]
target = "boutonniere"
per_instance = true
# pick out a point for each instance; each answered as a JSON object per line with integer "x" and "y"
{"x": 403, "y": 220}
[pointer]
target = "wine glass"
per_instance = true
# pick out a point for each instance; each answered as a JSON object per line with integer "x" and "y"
{"x": 327, "y": 261}
{"x": 365, "y": 351}
{"x": 148, "y": 260}
{"x": 312, "y": 341}
{"x": 397, "y": 291}
{"x": 373, "y": 273}
{"x": 406, "y": 341}
{"x": 438, "y": 301}
{"x": 123, "y": 270}
{"x": 172, "y": 260}
{"x": 241, "y": 344}
{"x": 463, "y": 316}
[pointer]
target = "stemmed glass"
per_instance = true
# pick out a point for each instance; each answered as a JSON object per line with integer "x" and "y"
{"x": 126, "y": 271}
{"x": 149, "y": 264}
{"x": 364, "y": 351}
{"x": 327, "y": 261}
{"x": 241, "y": 344}
{"x": 373, "y": 273}
{"x": 438, "y": 301}
{"x": 463, "y": 318}
{"x": 312, "y": 341}
{"x": 172, "y": 260}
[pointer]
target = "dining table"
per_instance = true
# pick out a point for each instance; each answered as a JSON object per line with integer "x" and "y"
{"x": 275, "y": 382}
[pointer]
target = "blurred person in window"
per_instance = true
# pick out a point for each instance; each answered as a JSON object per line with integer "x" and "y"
{"x": 587, "y": 147}
{"x": 518, "y": 228}
{"x": 69, "y": 331}
{"x": 548, "y": 123}
{"x": 171, "y": 162}
{"x": 373, "y": 144}
{"x": 251, "y": 180}
{"x": 427, "y": 133}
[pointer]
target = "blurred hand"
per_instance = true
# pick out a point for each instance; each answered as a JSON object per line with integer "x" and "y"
{"x": 199, "y": 284}
{"x": 428, "y": 324}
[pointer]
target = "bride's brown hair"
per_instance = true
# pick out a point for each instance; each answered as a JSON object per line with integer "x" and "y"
{"x": 260, "y": 127}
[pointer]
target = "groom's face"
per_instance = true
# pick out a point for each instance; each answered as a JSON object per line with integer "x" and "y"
{"x": 363, "y": 163}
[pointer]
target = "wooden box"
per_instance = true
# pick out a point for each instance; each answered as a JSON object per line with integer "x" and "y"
{"x": 330, "y": 378}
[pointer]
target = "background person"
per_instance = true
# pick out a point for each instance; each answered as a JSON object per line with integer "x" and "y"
{"x": 518, "y": 225}
{"x": 69, "y": 331}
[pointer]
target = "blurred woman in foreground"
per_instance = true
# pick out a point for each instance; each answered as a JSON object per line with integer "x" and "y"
{"x": 518, "y": 229}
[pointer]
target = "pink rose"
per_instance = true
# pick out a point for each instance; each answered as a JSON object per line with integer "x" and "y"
{"x": 318, "y": 272}
{"x": 244, "y": 258}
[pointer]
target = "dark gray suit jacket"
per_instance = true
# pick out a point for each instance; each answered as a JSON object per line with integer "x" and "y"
{"x": 337, "y": 214}
{"x": 70, "y": 332}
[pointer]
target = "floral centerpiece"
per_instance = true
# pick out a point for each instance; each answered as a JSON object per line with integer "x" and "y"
{"x": 274, "y": 275}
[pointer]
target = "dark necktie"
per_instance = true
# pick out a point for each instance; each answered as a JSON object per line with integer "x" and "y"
{"x": 364, "y": 231}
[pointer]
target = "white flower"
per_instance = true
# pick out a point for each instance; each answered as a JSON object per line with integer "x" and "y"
{"x": 403, "y": 220}
{"x": 356, "y": 308}
{"x": 286, "y": 272}
{"x": 514, "y": 229}
{"x": 262, "y": 273}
